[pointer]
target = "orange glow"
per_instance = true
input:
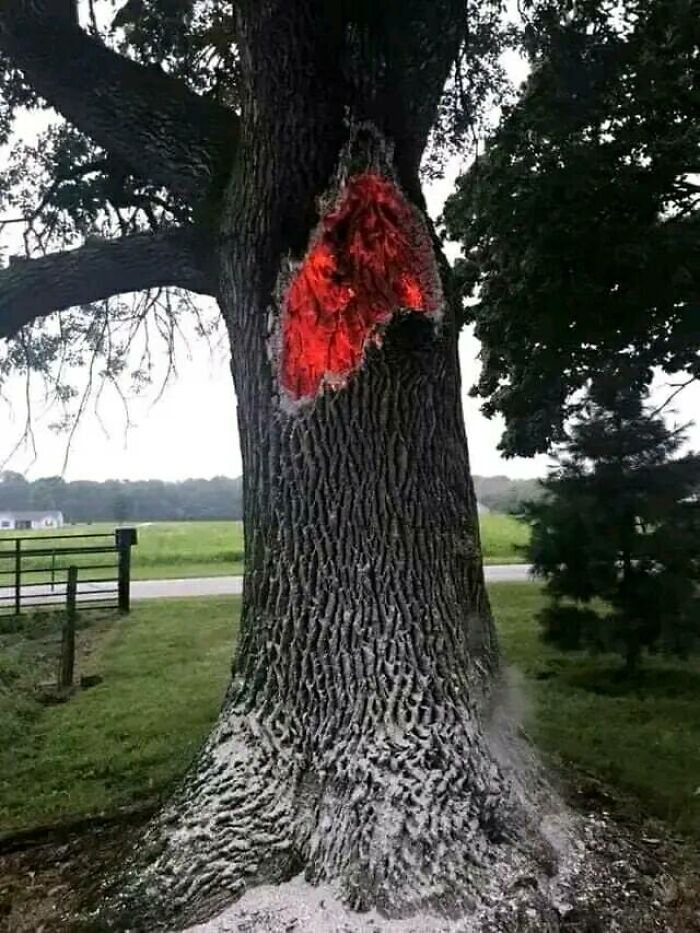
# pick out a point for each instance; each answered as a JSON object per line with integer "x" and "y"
{"x": 366, "y": 264}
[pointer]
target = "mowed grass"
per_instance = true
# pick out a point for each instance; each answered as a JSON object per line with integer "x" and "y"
{"x": 164, "y": 670}
{"x": 168, "y": 550}
{"x": 189, "y": 549}
{"x": 164, "y": 550}
{"x": 503, "y": 538}
{"x": 641, "y": 735}
{"x": 165, "y": 667}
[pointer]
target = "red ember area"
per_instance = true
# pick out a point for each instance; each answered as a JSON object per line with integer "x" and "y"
{"x": 363, "y": 267}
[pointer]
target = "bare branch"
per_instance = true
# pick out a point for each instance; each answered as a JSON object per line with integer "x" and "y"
{"x": 160, "y": 129}
{"x": 34, "y": 288}
{"x": 677, "y": 389}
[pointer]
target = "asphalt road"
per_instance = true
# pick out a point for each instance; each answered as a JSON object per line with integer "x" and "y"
{"x": 226, "y": 586}
{"x": 215, "y": 586}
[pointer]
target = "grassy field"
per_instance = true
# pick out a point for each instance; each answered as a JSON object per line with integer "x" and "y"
{"x": 207, "y": 549}
{"x": 503, "y": 538}
{"x": 164, "y": 669}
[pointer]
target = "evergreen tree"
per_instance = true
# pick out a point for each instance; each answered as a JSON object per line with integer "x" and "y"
{"x": 620, "y": 523}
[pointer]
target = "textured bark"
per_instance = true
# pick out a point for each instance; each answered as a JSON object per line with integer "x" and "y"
{"x": 156, "y": 126}
{"x": 352, "y": 741}
{"x": 34, "y": 288}
{"x": 360, "y": 740}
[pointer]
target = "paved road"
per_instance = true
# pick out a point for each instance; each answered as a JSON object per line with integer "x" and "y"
{"x": 213, "y": 586}
{"x": 226, "y": 586}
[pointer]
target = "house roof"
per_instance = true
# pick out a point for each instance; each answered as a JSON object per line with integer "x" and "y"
{"x": 31, "y": 516}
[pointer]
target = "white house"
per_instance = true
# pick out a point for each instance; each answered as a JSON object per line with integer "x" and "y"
{"x": 22, "y": 521}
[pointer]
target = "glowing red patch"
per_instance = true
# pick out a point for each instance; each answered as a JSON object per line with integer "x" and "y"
{"x": 370, "y": 259}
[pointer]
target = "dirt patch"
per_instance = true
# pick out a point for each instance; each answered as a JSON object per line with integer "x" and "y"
{"x": 45, "y": 883}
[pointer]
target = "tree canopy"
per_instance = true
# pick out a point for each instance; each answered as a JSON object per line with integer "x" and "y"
{"x": 579, "y": 223}
{"x": 110, "y": 205}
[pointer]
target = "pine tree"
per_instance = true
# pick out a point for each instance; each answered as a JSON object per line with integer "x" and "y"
{"x": 620, "y": 523}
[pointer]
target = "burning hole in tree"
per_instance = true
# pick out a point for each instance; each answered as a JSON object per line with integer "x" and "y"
{"x": 371, "y": 258}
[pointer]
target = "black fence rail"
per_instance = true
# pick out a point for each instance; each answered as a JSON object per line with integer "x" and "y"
{"x": 34, "y": 570}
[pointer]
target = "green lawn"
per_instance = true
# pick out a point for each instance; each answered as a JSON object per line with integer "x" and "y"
{"x": 164, "y": 550}
{"x": 503, "y": 538}
{"x": 208, "y": 549}
{"x": 642, "y": 736}
{"x": 165, "y": 668}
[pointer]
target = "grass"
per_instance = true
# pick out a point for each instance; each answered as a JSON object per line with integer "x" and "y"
{"x": 168, "y": 550}
{"x": 164, "y": 550}
{"x": 503, "y": 538}
{"x": 641, "y": 735}
{"x": 165, "y": 668}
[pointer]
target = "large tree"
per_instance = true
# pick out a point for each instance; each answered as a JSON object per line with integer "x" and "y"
{"x": 580, "y": 220}
{"x": 270, "y": 158}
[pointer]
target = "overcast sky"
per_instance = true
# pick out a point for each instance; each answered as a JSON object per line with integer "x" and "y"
{"x": 191, "y": 431}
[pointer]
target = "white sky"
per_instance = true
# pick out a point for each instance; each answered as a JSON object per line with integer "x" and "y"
{"x": 191, "y": 431}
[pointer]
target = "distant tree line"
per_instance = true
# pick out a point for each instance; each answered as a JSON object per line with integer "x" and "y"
{"x": 502, "y": 494}
{"x": 190, "y": 500}
{"x": 124, "y": 500}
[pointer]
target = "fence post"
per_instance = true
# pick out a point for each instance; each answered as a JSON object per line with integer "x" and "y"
{"x": 124, "y": 538}
{"x": 67, "y": 664}
{"x": 18, "y": 576}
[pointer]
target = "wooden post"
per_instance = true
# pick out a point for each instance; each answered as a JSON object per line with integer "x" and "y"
{"x": 67, "y": 663}
{"x": 124, "y": 538}
{"x": 18, "y": 576}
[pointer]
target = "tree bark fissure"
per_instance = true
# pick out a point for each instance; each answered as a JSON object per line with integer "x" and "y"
{"x": 34, "y": 288}
{"x": 353, "y": 741}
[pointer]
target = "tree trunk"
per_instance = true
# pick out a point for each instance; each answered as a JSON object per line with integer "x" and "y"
{"x": 351, "y": 745}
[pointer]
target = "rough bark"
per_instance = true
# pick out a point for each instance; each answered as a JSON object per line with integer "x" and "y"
{"x": 153, "y": 123}
{"x": 352, "y": 744}
{"x": 358, "y": 741}
{"x": 34, "y": 288}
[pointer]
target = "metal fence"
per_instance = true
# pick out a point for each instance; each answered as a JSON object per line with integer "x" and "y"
{"x": 34, "y": 570}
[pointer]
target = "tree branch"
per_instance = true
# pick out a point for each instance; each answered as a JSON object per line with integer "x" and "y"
{"x": 152, "y": 122}
{"x": 677, "y": 389}
{"x": 34, "y": 288}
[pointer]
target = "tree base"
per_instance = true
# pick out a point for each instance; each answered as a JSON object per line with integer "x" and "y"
{"x": 414, "y": 831}
{"x": 603, "y": 886}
